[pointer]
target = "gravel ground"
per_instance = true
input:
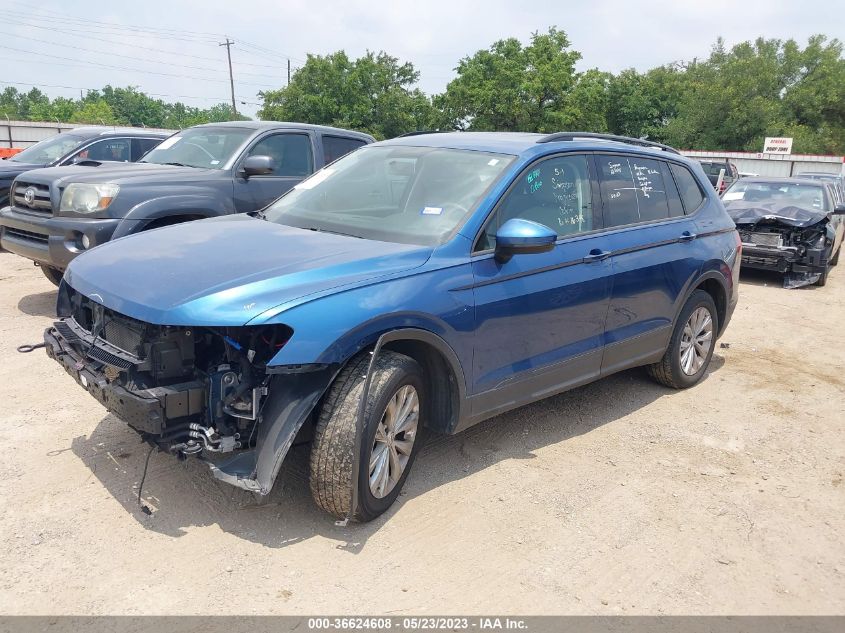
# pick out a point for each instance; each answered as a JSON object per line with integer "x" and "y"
{"x": 618, "y": 497}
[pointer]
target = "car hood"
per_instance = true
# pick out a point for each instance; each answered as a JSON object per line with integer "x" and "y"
{"x": 10, "y": 169}
{"x": 754, "y": 212}
{"x": 121, "y": 173}
{"x": 228, "y": 270}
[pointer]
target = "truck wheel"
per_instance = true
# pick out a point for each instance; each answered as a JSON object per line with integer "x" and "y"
{"x": 53, "y": 274}
{"x": 392, "y": 435}
{"x": 835, "y": 259}
{"x": 823, "y": 277}
{"x": 691, "y": 346}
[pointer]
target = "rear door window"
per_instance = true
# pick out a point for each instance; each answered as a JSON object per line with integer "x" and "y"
{"x": 632, "y": 190}
{"x": 141, "y": 146}
{"x": 336, "y": 146}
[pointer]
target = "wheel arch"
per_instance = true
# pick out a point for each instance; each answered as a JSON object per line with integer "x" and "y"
{"x": 712, "y": 282}
{"x": 443, "y": 373}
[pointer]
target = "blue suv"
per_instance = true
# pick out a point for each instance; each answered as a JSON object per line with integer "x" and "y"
{"x": 421, "y": 284}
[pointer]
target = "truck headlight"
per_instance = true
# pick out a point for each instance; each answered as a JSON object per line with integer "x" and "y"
{"x": 87, "y": 198}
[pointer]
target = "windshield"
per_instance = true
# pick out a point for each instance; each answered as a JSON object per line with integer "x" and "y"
{"x": 781, "y": 193}
{"x": 410, "y": 195}
{"x": 209, "y": 148}
{"x": 49, "y": 150}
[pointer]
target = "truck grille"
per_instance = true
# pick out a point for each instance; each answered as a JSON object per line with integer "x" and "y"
{"x": 28, "y": 236}
{"x": 31, "y": 196}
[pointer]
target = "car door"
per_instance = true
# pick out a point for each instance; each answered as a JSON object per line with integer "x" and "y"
{"x": 540, "y": 316}
{"x": 293, "y": 156}
{"x": 655, "y": 255}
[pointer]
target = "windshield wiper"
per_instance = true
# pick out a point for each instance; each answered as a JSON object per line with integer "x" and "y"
{"x": 176, "y": 164}
{"x": 312, "y": 228}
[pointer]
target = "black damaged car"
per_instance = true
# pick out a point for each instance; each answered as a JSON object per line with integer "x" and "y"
{"x": 794, "y": 226}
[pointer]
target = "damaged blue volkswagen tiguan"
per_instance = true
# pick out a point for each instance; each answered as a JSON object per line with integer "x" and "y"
{"x": 421, "y": 284}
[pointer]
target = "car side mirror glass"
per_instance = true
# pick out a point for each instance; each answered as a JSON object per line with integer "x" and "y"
{"x": 258, "y": 166}
{"x": 839, "y": 209}
{"x": 523, "y": 236}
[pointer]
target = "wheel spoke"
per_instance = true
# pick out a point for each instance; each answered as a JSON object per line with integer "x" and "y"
{"x": 395, "y": 470}
{"x": 404, "y": 446}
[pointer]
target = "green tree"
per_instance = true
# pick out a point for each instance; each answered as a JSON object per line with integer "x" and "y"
{"x": 515, "y": 87}
{"x": 374, "y": 94}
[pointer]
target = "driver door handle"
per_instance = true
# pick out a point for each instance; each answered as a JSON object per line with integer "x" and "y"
{"x": 686, "y": 236}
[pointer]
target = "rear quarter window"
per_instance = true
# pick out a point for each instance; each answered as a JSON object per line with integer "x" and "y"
{"x": 688, "y": 187}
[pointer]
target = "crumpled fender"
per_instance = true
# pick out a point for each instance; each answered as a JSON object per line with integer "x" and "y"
{"x": 291, "y": 398}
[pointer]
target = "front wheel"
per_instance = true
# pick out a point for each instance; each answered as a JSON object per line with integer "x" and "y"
{"x": 391, "y": 437}
{"x": 691, "y": 346}
{"x": 53, "y": 274}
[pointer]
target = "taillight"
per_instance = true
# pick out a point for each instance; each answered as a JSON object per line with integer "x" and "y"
{"x": 722, "y": 187}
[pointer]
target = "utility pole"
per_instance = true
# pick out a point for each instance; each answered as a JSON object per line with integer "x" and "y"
{"x": 288, "y": 72}
{"x": 228, "y": 45}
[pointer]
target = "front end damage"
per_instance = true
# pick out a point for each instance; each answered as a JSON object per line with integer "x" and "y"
{"x": 192, "y": 391}
{"x": 790, "y": 240}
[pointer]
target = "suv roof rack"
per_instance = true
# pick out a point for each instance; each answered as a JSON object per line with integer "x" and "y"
{"x": 571, "y": 136}
{"x": 419, "y": 132}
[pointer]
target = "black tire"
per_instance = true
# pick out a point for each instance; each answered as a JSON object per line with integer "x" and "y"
{"x": 334, "y": 435}
{"x": 53, "y": 274}
{"x": 823, "y": 277}
{"x": 835, "y": 259}
{"x": 668, "y": 370}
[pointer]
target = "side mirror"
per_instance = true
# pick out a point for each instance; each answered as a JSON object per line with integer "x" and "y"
{"x": 523, "y": 236}
{"x": 258, "y": 166}
{"x": 839, "y": 209}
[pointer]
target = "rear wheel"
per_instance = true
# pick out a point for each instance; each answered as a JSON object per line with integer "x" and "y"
{"x": 391, "y": 437}
{"x": 53, "y": 274}
{"x": 691, "y": 346}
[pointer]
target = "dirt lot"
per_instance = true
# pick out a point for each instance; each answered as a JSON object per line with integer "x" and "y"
{"x": 620, "y": 497}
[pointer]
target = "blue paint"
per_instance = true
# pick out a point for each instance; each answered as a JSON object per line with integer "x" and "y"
{"x": 518, "y": 328}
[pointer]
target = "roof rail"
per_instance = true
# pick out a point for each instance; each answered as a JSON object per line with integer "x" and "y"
{"x": 420, "y": 132}
{"x": 571, "y": 136}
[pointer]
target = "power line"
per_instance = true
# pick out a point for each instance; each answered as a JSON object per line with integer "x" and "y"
{"x": 123, "y": 68}
{"x": 111, "y": 54}
{"x": 65, "y": 31}
{"x": 138, "y": 31}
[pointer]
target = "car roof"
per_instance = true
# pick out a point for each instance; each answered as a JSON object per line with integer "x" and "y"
{"x": 824, "y": 174}
{"x": 93, "y": 131}
{"x": 517, "y": 143}
{"x": 261, "y": 126}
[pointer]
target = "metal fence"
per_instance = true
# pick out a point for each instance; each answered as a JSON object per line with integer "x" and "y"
{"x": 775, "y": 165}
{"x": 22, "y": 134}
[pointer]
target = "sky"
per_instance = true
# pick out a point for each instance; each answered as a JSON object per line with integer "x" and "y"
{"x": 171, "y": 49}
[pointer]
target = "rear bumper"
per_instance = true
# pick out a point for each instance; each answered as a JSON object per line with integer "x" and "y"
{"x": 50, "y": 240}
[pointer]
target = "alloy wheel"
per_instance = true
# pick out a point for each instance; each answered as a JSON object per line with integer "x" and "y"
{"x": 394, "y": 441}
{"x": 696, "y": 340}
